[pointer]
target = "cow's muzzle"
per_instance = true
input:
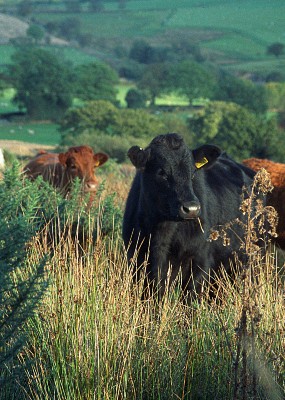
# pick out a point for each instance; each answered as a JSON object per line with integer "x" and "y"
{"x": 190, "y": 210}
{"x": 90, "y": 186}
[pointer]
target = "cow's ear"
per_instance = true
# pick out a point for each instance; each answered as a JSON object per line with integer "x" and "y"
{"x": 206, "y": 155}
{"x": 62, "y": 158}
{"x": 100, "y": 159}
{"x": 138, "y": 156}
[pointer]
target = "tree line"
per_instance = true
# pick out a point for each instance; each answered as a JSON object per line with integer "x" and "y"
{"x": 235, "y": 116}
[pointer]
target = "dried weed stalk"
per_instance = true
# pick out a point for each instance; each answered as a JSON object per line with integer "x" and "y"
{"x": 260, "y": 226}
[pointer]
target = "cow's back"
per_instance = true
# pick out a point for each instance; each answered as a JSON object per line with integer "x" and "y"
{"x": 46, "y": 165}
{"x": 276, "y": 170}
{"x": 276, "y": 198}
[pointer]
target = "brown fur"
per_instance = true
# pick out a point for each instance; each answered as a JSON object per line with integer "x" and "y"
{"x": 61, "y": 169}
{"x": 277, "y": 197}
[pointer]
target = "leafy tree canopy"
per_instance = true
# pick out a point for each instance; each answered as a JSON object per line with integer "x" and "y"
{"x": 155, "y": 80}
{"x": 96, "y": 81}
{"x": 135, "y": 98}
{"x": 35, "y": 32}
{"x": 43, "y": 83}
{"x": 276, "y": 95}
{"x": 192, "y": 80}
{"x": 275, "y": 49}
{"x": 242, "y": 92}
{"x": 113, "y": 130}
{"x": 238, "y": 131}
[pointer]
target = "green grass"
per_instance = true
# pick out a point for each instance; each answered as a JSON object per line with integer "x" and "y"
{"x": 237, "y": 30}
{"x": 93, "y": 338}
{"x": 229, "y": 32}
{"x": 41, "y": 133}
{"x": 71, "y": 55}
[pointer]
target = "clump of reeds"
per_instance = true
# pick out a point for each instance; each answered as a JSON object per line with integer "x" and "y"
{"x": 93, "y": 338}
{"x": 251, "y": 376}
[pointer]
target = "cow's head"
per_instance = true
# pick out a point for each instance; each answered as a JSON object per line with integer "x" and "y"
{"x": 168, "y": 169}
{"x": 80, "y": 162}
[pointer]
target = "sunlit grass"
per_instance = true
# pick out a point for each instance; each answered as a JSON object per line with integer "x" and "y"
{"x": 94, "y": 338}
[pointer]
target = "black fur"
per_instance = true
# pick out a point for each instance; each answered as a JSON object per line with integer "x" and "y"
{"x": 167, "y": 178}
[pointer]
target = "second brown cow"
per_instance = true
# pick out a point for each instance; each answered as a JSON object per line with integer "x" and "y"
{"x": 61, "y": 169}
{"x": 277, "y": 197}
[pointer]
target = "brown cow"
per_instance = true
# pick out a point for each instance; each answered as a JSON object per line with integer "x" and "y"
{"x": 61, "y": 169}
{"x": 277, "y": 197}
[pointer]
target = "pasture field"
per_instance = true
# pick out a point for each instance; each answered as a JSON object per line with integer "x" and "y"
{"x": 228, "y": 31}
{"x": 71, "y": 55}
{"x": 91, "y": 336}
{"x": 40, "y": 133}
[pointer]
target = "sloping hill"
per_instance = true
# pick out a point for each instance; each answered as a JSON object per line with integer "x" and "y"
{"x": 12, "y": 27}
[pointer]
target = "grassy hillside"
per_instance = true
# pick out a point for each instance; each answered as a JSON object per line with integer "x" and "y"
{"x": 234, "y": 34}
{"x": 228, "y": 31}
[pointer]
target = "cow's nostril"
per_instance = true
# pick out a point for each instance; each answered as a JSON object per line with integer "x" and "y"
{"x": 90, "y": 186}
{"x": 190, "y": 210}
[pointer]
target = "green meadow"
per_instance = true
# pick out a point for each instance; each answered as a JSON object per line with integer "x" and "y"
{"x": 233, "y": 34}
{"x": 41, "y": 133}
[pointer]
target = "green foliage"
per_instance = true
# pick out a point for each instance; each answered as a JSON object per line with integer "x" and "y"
{"x": 275, "y": 49}
{"x": 35, "y": 32}
{"x": 99, "y": 123}
{"x": 276, "y": 95}
{"x": 100, "y": 116}
{"x": 242, "y": 92}
{"x": 96, "y": 81}
{"x": 155, "y": 80}
{"x": 238, "y": 131}
{"x": 135, "y": 98}
{"x": 192, "y": 79}
{"x": 22, "y": 284}
{"x": 43, "y": 83}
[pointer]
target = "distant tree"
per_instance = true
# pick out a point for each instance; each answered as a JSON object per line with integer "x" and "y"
{"x": 192, "y": 79}
{"x": 96, "y": 5}
{"x": 236, "y": 130}
{"x": 144, "y": 53}
{"x": 276, "y": 95}
{"x": 135, "y": 98}
{"x": 141, "y": 52}
{"x": 275, "y": 76}
{"x": 95, "y": 116}
{"x": 43, "y": 83}
{"x": 25, "y": 8}
{"x": 110, "y": 128}
{"x": 131, "y": 70}
{"x": 276, "y": 49}
{"x": 85, "y": 39}
{"x": 96, "y": 81}
{"x": 122, "y": 4}
{"x": 186, "y": 49}
{"x": 36, "y": 33}
{"x": 69, "y": 28}
{"x": 73, "y": 6}
{"x": 155, "y": 80}
{"x": 242, "y": 92}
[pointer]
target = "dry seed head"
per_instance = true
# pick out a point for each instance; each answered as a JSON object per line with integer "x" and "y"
{"x": 263, "y": 181}
{"x": 245, "y": 206}
{"x": 272, "y": 219}
{"x": 214, "y": 235}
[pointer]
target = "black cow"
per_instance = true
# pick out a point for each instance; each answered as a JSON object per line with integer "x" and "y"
{"x": 176, "y": 197}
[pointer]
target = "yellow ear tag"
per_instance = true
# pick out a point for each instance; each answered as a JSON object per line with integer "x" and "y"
{"x": 97, "y": 163}
{"x": 201, "y": 163}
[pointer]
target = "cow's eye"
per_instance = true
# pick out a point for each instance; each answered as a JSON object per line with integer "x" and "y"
{"x": 73, "y": 167}
{"x": 161, "y": 174}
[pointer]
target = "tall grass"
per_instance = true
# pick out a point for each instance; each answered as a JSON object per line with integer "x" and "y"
{"x": 94, "y": 338}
